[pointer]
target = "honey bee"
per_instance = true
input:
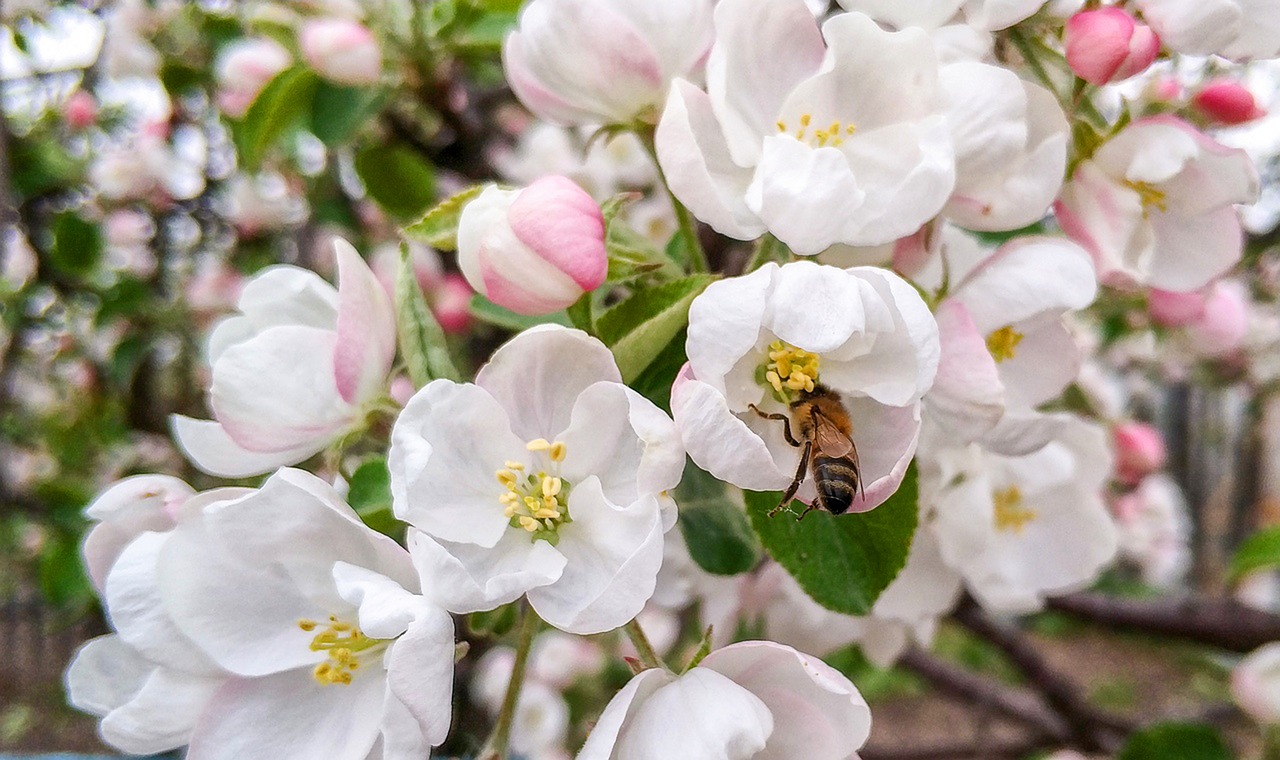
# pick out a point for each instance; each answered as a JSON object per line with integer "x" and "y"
{"x": 829, "y": 454}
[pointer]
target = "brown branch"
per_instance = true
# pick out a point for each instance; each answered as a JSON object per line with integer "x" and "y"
{"x": 1222, "y": 623}
{"x": 1010, "y": 701}
{"x": 1091, "y": 729}
{"x": 986, "y": 750}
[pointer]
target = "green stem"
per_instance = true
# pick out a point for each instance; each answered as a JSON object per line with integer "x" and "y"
{"x": 1271, "y": 743}
{"x": 769, "y": 248}
{"x": 687, "y": 225}
{"x": 497, "y": 746}
{"x": 1033, "y": 61}
{"x": 648, "y": 655}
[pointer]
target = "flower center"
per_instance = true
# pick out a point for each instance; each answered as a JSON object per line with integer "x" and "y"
{"x": 789, "y": 371}
{"x": 537, "y": 502}
{"x": 1150, "y": 195}
{"x": 1011, "y": 515}
{"x": 344, "y": 644}
{"x": 821, "y": 137}
{"x": 1003, "y": 343}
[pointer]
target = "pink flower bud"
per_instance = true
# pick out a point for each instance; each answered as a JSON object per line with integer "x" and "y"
{"x": 1140, "y": 451}
{"x": 1226, "y": 101}
{"x": 1222, "y": 328}
{"x": 343, "y": 51}
{"x": 1170, "y": 309}
{"x": 453, "y": 304}
{"x": 1163, "y": 89}
{"x": 536, "y": 250}
{"x": 1107, "y": 45}
{"x": 80, "y": 110}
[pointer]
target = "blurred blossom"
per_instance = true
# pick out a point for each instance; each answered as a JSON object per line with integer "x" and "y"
{"x": 18, "y": 262}
{"x": 1139, "y": 449}
{"x": 1155, "y": 530}
{"x": 1226, "y": 101}
{"x": 341, "y": 50}
{"x": 1255, "y": 685}
{"x": 80, "y": 110}
{"x": 214, "y": 288}
{"x": 261, "y": 204}
{"x": 243, "y": 68}
{"x": 1221, "y": 329}
{"x": 427, "y": 267}
{"x": 451, "y": 303}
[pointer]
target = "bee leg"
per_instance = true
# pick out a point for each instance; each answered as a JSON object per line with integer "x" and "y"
{"x": 785, "y": 504}
{"x": 807, "y": 510}
{"x": 786, "y": 424}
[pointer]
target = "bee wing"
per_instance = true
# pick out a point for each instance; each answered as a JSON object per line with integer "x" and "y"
{"x": 830, "y": 440}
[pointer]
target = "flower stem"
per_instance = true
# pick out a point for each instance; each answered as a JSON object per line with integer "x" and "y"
{"x": 767, "y": 249}
{"x": 497, "y": 746}
{"x": 687, "y": 225}
{"x": 648, "y": 655}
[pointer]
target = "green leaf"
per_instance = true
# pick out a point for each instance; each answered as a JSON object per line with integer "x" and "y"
{"x": 439, "y": 228}
{"x": 494, "y": 623}
{"x": 639, "y": 329}
{"x": 487, "y": 311}
{"x": 281, "y": 106}
{"x": 1176, "y": 741}
{"x": 656, "y": 380}
{"x": 41, "y": 165}
{"x": 844, "y": 562}
{"x": 398, "y": 179}
{"x": 1261, "y": 551}
{"x": 422, "y": 342}
{"x": 714, "y": 527}
{"x": 580, "y": 314}
{"x": 77, "y": 245}
{"x": 337, "y": 112}
{"x": 369, "y": 495}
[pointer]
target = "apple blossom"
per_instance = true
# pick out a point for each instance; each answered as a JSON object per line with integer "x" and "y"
{"x": 341, "y": 50}
{"x": 575, "y": 62}
{"x": 1139, "y": 449}
{"x": 126, "y": 510}
{"x": 842, "y": 142}
{"x": 1255, "y": 685}
{"x": 298, "y": 368}
{"x": 1155, "y": 205}
{"x": 1226, "y": 101}
{"x": 243, "y": 68}
{"x": 759, "y": 339}
{"x": 1020, "y": 528}
{"x": 1010, "y": 138}
{"x": 452, "y": 304}
{"x": 1172, "y": 309}
{"x": 987, "y": 15}
{"x": 1155, "y": 530}
{"x": 535, "y": 250}
{"x": 1238, "y": 29}
{"x": 80, "y": 110}
{"x": 755, "y": 700}
{"x": 1106, "y": 45}
{"x": 546, "y": 477}
{"x": 316, "y": 619}
{"x": 1223, "y": 326}
{"x": 1006, "y": 347}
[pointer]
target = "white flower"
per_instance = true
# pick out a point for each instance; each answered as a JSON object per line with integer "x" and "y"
{"x": 761, "y": 339}
{"x": 1006, "y": 348}
{"x": 987, "y": 15}
{"x": 1155, "y": 205}
{"x": 1021, "y": 528}
{"x": 578, "y": 62}
{"x": 126, "y": 510}
{"x": 317, "y": 619}
{"x": 297, "y": 369}
{"x": 842, "y": 142}
{"x": 1255, "y": 685}
{"x": 243, "y": 68}
{"x": 1236, "y": 29}
{"x": 1010, "y": 139}
{"x": 1155, "y": 530}
{"x": 750, "y": 701}
{"x": 546, "y": 476}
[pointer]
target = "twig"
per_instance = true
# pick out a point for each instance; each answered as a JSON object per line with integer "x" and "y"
{"x": 1222, "y": 623}
{"x": 1010, "y": 701}
{"x": 1091, "y": 729}
{"x": 986, "y": 750}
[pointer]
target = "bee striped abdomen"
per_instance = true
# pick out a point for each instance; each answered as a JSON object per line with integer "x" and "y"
{"x": 837, "y": 481}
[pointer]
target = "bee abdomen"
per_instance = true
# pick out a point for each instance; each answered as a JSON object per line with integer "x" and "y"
{"x": 837, "y": 483}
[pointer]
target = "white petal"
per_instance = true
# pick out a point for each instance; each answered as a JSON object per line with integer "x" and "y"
{"x": 538, "y": 375}
{"x": 1027, "y": 277}
{"x": 446, "y": 449}
{"x": 806, "y": 196}
{"x": 420, "y": 673}
{"x": 696, "y": 163}
{"x": 1191, "y": 252}
{"x": 385, "y": 608}
{"x": 291, "y": 716}
{"x": 967, "y": 399}
{"x": 212, "y": 451}
{"x": 816, "y": 308}
{"x": 366, "y": 328}
{"x": 748, "y": 89}
{"x": 725, "y": 323}
{"x": 465, "y": 578}
{"x": 612, "y": 559}
{"x": 826, "y": 717}
{"x": 722, "y": 444}
{"x": 602, "y": 741}
{"x": 162, "y": 715}
{"x": 703, "y": 715}
{"x": 104, "y": 674}
{"x": 886, "y": 437}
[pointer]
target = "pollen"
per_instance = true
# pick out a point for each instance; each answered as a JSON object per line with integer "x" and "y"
{"x": 344, "y": 644}
{"x": 1003, "y": 343}
{"x": 536, "y": 500}
{"x": 1150, "y": 195}
{"x": 833, "y": 135}
{"x": 1011, "y": 514}
{"x": 788, "y": 371}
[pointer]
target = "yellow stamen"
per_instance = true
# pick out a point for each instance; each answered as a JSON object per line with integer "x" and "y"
{"x": 1010, "y": 513}
{"x": 789, "y": 370}
{"x": 1150, "y": 195}
{"x": 537, "y": 501}
{"x": 1003, "y": 343}
{"x": 342, "y": 643}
